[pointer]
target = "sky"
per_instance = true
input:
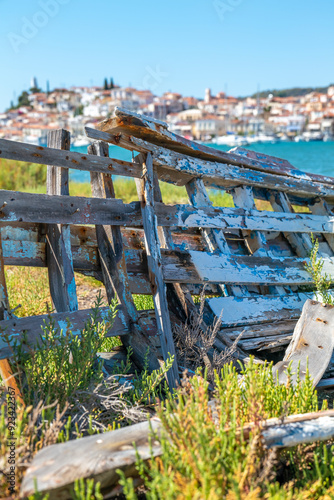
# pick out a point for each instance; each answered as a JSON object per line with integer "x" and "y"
{"x": 183, "y": 46}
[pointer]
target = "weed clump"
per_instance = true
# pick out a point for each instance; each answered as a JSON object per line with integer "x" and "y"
{"x": 207, "y": 455}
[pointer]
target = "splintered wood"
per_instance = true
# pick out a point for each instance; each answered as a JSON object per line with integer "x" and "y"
{"x": 250, "y": 261}
{"x": 311, "y": 346}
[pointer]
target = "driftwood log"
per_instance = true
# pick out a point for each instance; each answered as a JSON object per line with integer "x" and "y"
{"x": 56, "y": 467}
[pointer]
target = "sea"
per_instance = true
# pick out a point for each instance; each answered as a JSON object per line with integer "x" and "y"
{"x": 316, "y": 157}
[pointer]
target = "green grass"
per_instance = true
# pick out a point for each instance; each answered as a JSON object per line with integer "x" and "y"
{"x": 28, "y": 287}
{"x": 29, "y": 177}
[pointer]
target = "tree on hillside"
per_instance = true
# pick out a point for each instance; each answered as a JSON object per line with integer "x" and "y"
{"x": 23, "y": 99}
{"x": 35, "y": 90}
{"x": 111, "y": 83}
{"x": 106, "y": 84}
{"x": 79, "y": 110}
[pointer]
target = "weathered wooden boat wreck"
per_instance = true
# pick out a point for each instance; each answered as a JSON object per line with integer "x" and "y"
{"x": 251, "y": 261}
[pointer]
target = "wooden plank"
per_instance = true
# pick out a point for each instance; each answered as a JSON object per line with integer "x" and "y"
{"x": 157, "y": 133}
{"x": 266, "y": 343}
{"x": 191, "y": 267}
{"x": 282, "y": 164}
{"x": 325, "y": 384}
{"x": 115, "y": 278}
{"x": 213, "y": 268}
{"x": 20, "y": 151}
{"x": 57, "y": 467}
{"x": 145, "y": 189}
{"x": 311, "y": 345}
{"x": 79, "y": 210}
{"x": 58, "y": 250}
{"x": 41, "y": 208}
{"x": 257, "y": 331}
{"x": 242, "y": 311}
{"x": 180, "y": 169}
{"x": 31, "y": 327}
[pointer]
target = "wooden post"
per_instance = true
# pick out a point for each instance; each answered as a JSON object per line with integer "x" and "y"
{"x": 145, "y": 188}
{"x": 6, "y": 371}
{"x": 311, "y": 346}
{"x": 59, "y": 253}
{"x": 115, "y": 277}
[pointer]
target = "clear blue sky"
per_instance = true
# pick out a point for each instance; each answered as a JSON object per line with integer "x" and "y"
{"x": 187, "y": 45}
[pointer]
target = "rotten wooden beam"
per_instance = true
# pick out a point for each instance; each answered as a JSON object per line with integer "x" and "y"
{"x": 78, "y": 210}
{"x": 20, "y": 151}
{"x": 145, "y": 189}
{"x": 157, "y": 133}
{"x": 58, "y": 249}
{"x": 180, "y": 169}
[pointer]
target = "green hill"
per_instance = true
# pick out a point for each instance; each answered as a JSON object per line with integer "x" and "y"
{"x": 292, "y": 92}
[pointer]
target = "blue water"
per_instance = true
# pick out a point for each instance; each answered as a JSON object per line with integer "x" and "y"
{"x": 316, "y": 157}
{"x": 114, "y": 152}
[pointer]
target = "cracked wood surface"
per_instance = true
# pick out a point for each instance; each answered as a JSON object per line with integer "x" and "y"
{"x": 179, "y": 169}
{"x": 145, "y": 189}
{"x": 58, "y": 249}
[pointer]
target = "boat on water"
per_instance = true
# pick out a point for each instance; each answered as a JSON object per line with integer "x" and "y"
{"x": 262, "y": 139}
{"x": 310, "y": 136}
{"x": 34, "y": 140}
{"x": 80, "y": 142}
{"x": 231, "y": 140}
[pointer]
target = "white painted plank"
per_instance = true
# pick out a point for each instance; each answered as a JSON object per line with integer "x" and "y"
{"x": 253, "y": 310}
{"x": 253, "y": 270}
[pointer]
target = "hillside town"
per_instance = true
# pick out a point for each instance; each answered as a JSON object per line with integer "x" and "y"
{"x": 219, "y": 118}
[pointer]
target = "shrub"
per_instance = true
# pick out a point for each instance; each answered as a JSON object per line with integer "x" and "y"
{"x": 205, "y": 454}
{"x": 322, "y": 281}
{"x": 62, "y": 362}
{"x": 16, "y": 175}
